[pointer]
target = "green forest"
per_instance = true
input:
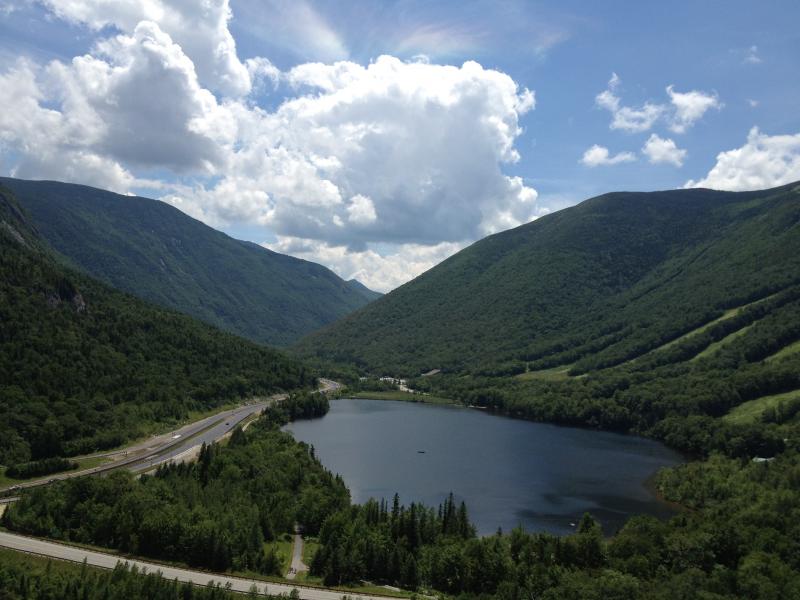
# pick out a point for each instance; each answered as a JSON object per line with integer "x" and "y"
{"x": 739, "y": 535}
{"x": 215, "y": 513}
{"x": 84, "y": 367}
{"x": 589, "y": 287}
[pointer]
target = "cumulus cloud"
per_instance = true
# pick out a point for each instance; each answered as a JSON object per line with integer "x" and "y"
{"x": 390, "y": 152}
{"x": 49, "y": 143}
{"x": 135, "y": 101}
{"x": 201, "y": 30}
{"x": 764, "y": 161}
{"x": 380, "y": 272}
{"x": 361, "y": 210}
{"x": 400, "y": 156}
{"x": 627, "y": 118}
{"x": 660, "y": 150}
{"x": 689, "y": 107}
{"x": 599, "y": 156}
{"x": 682, "y": 112}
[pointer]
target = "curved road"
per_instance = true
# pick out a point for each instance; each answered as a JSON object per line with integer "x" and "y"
{"x": 109, "y": 561}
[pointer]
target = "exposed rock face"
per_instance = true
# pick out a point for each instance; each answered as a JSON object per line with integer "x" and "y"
{"x": 66, "y": 292}
{"x": 13, "y": 232}
{"x": 79, "y": 302}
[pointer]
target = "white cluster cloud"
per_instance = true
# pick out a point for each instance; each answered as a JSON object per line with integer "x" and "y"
{"x": 402, "y": 156}
{"x": 656, "y": 149}
{"x": 689, "y": 107}
{"x": 600, "y": 156}
{"x": 199, "y": 28}
{"x": 764, "y": 161}
{"x": 134, "y": 101}
{"x": 380, "y": 272}
{"x": 682, "y": 112}
{"x": 660, "y": 150}
{"x": 394, "y": 151}
{"x": 625, "y": 117}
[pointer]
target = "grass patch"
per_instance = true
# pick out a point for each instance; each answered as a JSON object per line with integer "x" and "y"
{"x": 37, "y": 565}
{"x": 559, "y": 373}
{"x": 728, "y": 314}
{"x": 284, "y": 550}
{"x": 785, "y": 351}
{"x": 310, "y": 547}
{"x": 714, "y": 346}
{"x": 751, "y": 411}
{"x": 398, "y": 395}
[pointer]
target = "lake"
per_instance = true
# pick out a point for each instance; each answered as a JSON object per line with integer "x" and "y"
{"x": 508, "y": 471}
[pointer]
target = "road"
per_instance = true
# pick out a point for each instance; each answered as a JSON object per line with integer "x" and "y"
{"x": 109, "y": 561}
{"x": 144, "y": 455}
{"x": 158, "y": 449}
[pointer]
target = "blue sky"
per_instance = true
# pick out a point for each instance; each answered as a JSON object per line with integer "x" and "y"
{"x": 379, "y": 169}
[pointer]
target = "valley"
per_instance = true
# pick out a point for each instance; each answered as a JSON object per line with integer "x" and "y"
{"x": 667, "y": 349}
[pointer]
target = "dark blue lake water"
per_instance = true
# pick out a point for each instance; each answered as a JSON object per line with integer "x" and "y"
{"x": 508, "y": 471}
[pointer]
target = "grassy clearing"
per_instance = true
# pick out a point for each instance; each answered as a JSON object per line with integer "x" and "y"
{"x": 559, "y": 373}
{"x": 310, "y": 547}
{"x": 714, "y": 346}
{"x": 751, "y": 411}
{"x": 785, "y": 351}
{"x": 398, "y": 395}
{"x": 728, "y": 314}
{"x": 283, "y": 548}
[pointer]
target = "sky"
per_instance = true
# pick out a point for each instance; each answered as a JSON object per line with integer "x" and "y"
{"x": 378, "y": 137}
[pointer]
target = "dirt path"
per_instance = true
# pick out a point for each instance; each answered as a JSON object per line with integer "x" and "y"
{"x": 297, "y": 565}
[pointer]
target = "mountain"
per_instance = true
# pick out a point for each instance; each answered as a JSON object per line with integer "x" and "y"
{"x": 85, "y": 367}
{"x": 154, "y": 251}
{"x": 359, "y": 287}
{"x": 588, "y": 287}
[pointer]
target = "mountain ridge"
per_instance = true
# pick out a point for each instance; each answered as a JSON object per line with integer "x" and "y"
{"x": 155, "y": 251}
{"x": 85, "y": 367}
{"x": 632, "y": 269}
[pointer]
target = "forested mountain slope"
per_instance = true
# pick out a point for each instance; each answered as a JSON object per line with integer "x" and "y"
{"x": 154, "y": 251}
{"x": 85, "y": 367}
{"x": 588, "y": 287}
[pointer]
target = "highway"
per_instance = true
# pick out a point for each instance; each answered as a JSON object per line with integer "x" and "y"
{"x": 109, "y": 561}
{"x": 158, "y": 449}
